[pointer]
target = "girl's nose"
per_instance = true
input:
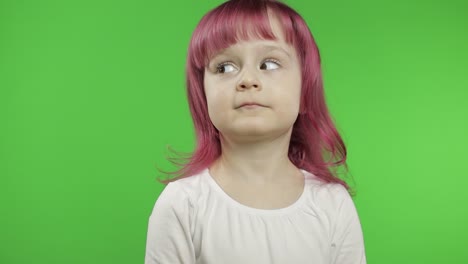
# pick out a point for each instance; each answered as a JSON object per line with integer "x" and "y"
{"x": 247, "y": 81}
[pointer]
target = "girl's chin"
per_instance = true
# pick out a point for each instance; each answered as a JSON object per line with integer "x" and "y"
{"x": 253, "y": 131}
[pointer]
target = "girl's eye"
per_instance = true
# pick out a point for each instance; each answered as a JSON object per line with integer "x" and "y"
{"x": 227, "y": 67}
{"x": 270, "y": 65}
{"x": 224, "y": 68}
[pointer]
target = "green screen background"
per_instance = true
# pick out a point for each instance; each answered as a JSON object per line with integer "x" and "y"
{"x": 92, "y": 92}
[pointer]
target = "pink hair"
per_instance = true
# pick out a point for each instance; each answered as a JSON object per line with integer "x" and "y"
{"x": 314, "y": 134}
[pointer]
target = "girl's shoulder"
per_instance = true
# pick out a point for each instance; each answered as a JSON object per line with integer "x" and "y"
{"x": 192, "y": 184}
{"x": 329, "y": 197}
{"x": 178, "y": 196}
{"x": 187, "y": 188}
{"x": 320, "y": 188}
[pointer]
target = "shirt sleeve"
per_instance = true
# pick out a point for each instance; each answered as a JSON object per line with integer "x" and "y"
{"x": 169, "y": 238}
{"x": 347, "y": 237}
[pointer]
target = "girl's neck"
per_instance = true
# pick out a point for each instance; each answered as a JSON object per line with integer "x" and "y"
{"x": 256, "y": 163}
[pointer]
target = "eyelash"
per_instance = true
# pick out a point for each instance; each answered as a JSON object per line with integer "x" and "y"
{"x": 219, "y": 66}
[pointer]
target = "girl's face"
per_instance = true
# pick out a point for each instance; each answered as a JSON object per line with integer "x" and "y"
{"x": 253, "y": 88}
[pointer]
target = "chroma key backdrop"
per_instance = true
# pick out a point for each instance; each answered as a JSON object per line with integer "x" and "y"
{"x": 92, "y": 93}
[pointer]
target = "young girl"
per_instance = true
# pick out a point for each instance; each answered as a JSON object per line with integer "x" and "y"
{"x": 257, "y": 189}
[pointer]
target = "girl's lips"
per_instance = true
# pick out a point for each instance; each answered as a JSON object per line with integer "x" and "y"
{"x": 250, "y": 105}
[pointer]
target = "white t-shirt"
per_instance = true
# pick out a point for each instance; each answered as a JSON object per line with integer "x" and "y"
{"x": 195, "y": 221}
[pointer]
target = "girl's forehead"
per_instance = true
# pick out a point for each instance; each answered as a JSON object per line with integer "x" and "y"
{"x": 251, "y": 37}
{"x": 243, "y": 30}
{"x": 252, "y": 34}
{"x": 258, "y": 45}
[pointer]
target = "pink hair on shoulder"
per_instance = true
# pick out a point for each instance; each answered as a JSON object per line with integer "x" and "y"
{"x": 314, "y": 134}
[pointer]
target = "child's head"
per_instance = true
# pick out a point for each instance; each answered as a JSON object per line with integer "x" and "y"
{"x": 246, "y": 20}
{"x": 238, "y": 28}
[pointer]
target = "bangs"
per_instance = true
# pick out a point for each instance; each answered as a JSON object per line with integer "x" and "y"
{"x": 233, "y": 22}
